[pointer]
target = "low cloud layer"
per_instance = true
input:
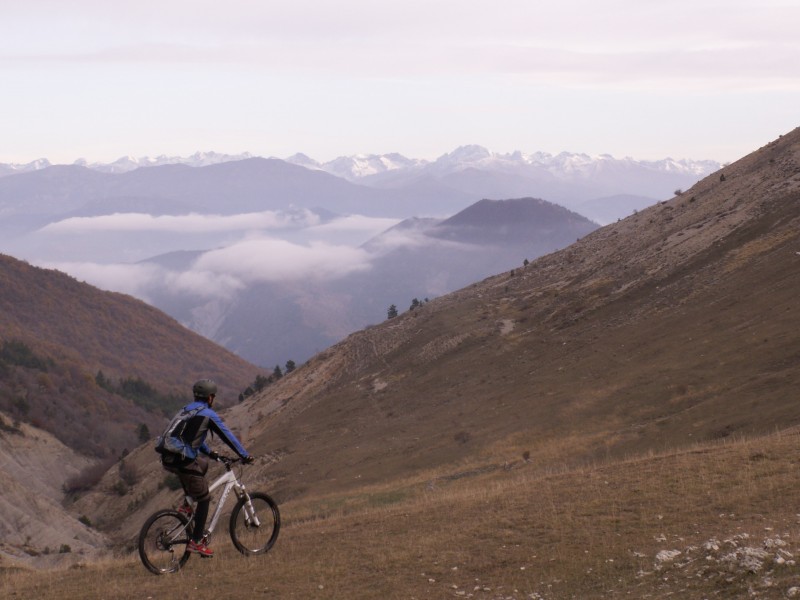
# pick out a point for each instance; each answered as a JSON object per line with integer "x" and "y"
{"x": 137, "y": 237}
{"x": 135, "y": 280}
{"x": 355, "y": 223}
{"x": 222, "y": 272}
{"x": 267, "y": 259}
{"x": 191, "y": 223}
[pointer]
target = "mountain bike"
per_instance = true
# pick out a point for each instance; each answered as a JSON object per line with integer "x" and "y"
{"x": 254, "y": 525}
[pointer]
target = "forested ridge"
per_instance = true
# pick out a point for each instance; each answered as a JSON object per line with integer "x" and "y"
{"x": 91, "y": 366}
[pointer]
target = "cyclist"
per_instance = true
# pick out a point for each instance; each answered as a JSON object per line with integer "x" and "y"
{"x": 189, "y": 429}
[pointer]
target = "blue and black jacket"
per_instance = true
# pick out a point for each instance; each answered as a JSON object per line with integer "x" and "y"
{"x": 197, "y": 426}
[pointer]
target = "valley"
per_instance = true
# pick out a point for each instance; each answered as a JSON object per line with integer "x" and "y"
{"x": 244, "y": 249}
{"x": 616, "y": 418}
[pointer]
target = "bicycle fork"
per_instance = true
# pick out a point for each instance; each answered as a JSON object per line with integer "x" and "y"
{"x": 250, "y": 516}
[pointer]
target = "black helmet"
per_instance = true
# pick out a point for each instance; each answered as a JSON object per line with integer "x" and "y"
{"x": 204, "y": 389}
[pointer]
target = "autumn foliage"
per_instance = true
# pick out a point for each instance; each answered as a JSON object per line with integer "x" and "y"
{"x": 57, "y": 334}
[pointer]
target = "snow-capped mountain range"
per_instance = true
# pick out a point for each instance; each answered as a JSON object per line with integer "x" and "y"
{"x": 565, "y": 164}
{"x": 379, "y": 167}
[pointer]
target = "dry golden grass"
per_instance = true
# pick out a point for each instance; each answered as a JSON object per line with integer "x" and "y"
{"x": 591, "y": 532}
{"x": 758, "y": 246}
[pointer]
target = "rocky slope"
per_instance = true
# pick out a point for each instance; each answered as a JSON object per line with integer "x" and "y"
{"x": 34, "y": 525}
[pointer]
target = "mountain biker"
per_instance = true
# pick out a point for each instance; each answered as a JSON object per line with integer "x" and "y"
{"x": 191, "y": 465}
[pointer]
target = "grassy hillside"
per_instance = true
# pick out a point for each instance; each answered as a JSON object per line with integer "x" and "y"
{"x": 675, "y": 326}
{"x": 714, "y": 520}
{"x": 58, "y": 334}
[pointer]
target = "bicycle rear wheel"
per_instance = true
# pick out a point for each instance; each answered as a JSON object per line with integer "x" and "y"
{"x": 254, "y": 531}
{"x": 162, "y": 541}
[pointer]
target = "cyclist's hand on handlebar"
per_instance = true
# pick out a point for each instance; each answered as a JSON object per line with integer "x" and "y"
{"x": 248, "y": 460}
{"x": 213, "y": 455}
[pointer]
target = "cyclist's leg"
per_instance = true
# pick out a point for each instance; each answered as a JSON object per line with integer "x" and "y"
{"x": 171, "y": 464}
{"x": 200, "y": 517}
{"x": 195, "y": 485}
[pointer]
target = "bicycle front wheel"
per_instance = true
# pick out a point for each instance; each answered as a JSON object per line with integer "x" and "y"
{"x": 163, "y": 540}
{"x": 254, "y": 526}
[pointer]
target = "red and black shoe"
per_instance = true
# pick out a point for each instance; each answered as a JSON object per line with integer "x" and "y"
{"x": 186, "y": 509}
{"x": 200, "y": 548}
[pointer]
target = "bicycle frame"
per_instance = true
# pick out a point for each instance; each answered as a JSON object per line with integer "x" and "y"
{"x": 230, "y": 482}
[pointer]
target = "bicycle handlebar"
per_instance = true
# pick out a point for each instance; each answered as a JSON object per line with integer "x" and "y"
{"x": 229, "y": 460}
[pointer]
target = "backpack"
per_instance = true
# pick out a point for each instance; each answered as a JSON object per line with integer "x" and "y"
{"x": 170, "y": 444}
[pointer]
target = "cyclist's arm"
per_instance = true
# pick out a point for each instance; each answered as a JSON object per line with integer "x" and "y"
{"x": 226, "y": 435}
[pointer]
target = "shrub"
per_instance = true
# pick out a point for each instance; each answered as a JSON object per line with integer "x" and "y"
{"x": 144, "y": 432}
{"x": 10, "y": 428}
{"x": 128, "y": 474}
{"x": 18, "y": 353}
{"x": 88, "y": 478}
{"x": 172, "y": 482}
{"x": 20, "y": 405}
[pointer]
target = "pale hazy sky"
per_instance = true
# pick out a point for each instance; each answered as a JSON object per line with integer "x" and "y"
{"x": 649, "y": 79}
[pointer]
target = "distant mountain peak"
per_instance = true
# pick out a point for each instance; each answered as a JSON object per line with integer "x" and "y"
{"x": 469, "y": 153}
{"x": 303, "y": 160}
{"x": 363, "y": 165}
{"x": 517, "y": 212}
{"x": 198, "y": 159}
{"x": 35, "y": 165}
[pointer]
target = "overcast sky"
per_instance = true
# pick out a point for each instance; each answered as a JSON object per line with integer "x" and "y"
{"x": 93, "y": 79}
